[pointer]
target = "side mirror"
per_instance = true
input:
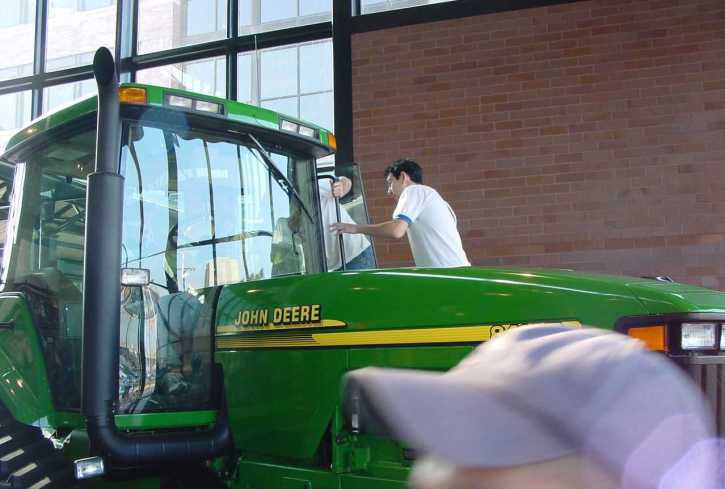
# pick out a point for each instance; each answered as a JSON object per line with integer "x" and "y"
{"x": 135, "y": 277}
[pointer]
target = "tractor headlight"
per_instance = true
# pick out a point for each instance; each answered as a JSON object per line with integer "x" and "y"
{"x": 300, "y": 129}
{"x": 86, "y": 468}
{"x": 189, "y": 103}
{"x": 180, "y": 102}
{"x": 699, "y": 336}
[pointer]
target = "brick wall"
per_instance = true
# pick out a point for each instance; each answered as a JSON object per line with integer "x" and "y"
{"x": 588, "y": 135}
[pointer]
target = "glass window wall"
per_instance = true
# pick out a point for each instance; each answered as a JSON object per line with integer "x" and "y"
{"x": 76, "y": 28}
{"x": 54, "y": 97}
{"x": 17, "y": 29}
{"x": 205, "y": 76}
{"x": 296, "y": 80}
{"x": 372, "y": 6}
{"x": 168, "y": 24}
{"x": 14, "y": 113}
{"x": 267, "y": 15}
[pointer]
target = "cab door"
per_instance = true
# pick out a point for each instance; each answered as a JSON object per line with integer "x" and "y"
{"x": 351, "y": 207}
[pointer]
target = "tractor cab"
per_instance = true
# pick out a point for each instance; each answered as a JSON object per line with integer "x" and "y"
{"x": 212, "y": 192}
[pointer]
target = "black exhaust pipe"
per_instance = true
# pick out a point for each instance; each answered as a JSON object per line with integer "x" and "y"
{"x": 102, "y": 302}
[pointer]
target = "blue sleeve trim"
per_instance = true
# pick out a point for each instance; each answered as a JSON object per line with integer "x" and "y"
{"x": 405, "y": 218}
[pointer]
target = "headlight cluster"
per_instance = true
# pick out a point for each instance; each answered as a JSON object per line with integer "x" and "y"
{"x": 189, "y": 103}
{"x": 678, "y": 335}
{"x": 702, "y": 336}
{"x": 301, "y": 129}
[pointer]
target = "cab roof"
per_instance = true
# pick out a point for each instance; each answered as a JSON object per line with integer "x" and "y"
{"x": 159, "y": 97}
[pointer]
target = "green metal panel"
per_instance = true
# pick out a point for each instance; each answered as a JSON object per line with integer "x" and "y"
{"x": 407, "y": 298}
{"x": 233, "y": 111}
{"x": 164, "y": 420}
{"x": 261, "y": 475}
{"x": 238, "y": 111}
{"x": 65, "y": 419}
{"x": 283, "y": 366}
{"x": 663, "y": 298}
{"x": 265, "y": 475}
{"x": 351, "y": 481}
{"x": 283, "y": 391}
{"x": 421, "y": 357}
{"x": 281, "y": 403}
{"x": 24, "y": 386}
{"x": 53, "y": 120}
{"x": 147, "y": 421}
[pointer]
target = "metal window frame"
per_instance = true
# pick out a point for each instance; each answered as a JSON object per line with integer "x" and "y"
{"x": 346, "y": 21}
{"x": 342, "y": 77}
{"x": 455, "y": 9}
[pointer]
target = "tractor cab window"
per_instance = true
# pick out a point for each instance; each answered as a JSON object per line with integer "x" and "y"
{"x": 43, "y": 255}
{"x": 6, "y": 182}
{"x": 199, "y": 212}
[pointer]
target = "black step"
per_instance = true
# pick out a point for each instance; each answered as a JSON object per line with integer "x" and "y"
{"x": 34, "y": 451}
{"x": 18, "y": 433}
{"x": 28, "y": 459}
{"x": 61, "y": 479}
{"x": 25, "y": 476}
{"x": 13, "y": 445}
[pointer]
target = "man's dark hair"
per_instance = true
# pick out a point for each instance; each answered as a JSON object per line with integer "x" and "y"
{"x": 413, "y": 169}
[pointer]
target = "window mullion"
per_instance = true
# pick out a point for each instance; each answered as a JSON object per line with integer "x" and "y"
{"x": 256, "y": 78}
{"x": 232, "y": 72}
{"x": 41, "y": 30}
{"x": 299, "y": 83}
{"x": 126, "y": 16}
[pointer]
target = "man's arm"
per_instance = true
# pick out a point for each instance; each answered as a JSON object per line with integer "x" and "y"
{"x": 390, "y": 229}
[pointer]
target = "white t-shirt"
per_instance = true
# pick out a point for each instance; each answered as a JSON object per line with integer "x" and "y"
{"x": 354, "y": 243}
{"x": 432, "y": 230}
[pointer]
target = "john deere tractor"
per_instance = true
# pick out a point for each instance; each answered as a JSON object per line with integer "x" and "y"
{"x": 167, "y": 318}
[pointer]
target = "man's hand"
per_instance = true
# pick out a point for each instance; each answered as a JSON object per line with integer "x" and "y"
{"x": 341, "y": 187}
{"x": 395, "y": 229}
{"x": 343, "y": 227}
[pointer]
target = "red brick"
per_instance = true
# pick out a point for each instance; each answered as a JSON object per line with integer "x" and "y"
{"x": 506, "y": 125}
{"x": 586, "y": 135}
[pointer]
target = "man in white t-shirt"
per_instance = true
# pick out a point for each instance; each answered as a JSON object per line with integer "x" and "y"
{"x": 422, "y": 214}
{"x": 358, "y": 250}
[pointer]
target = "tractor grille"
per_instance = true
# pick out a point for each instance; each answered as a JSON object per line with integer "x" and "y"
{"x": 708, "y": 374}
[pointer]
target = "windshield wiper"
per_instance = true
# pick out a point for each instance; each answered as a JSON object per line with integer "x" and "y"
{"x": 280, "y": 177}
{"x": 209, "y": 241}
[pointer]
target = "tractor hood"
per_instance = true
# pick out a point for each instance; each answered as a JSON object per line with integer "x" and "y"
{"x": 425, "y": 297}
{"x": 663, "y": 297}
{"x": 657, "y": 297}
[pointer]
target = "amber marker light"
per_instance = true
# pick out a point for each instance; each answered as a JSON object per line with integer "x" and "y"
{"x": 332, "y": 141}
{"x": 132, "y": 95}
{"x": 654, "y": 337}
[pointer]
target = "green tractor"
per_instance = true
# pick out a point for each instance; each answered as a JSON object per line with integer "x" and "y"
{"x": 167, "y": 319}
